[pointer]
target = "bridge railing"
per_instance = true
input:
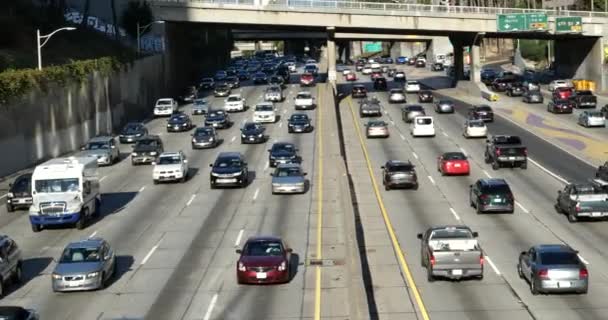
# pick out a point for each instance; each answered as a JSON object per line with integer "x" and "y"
{"x": 393, "y": 8}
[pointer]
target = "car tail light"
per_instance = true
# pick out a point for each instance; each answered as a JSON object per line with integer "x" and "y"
{"x": 432, "y": 259}
{"x": 242, "y": 267}
{"x": 481, "y": 259}
{"x": 543, "y": 274}
{"x": 583, "y": 273}
{"x": 526, "y": 152}
{"x": 483, "y": 197}
{"x": 497, "y": 152}
{"x": 510, "y": 196}
{"x": 578, "y": 207}
{"x": 283, "y": 266}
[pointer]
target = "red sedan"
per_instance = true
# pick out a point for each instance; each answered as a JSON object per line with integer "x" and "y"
{"x": 264, "y": 260}
{"x": 351, "y": 77}
{"x": 453, "y": 163}
{"x": 376, "y": 75}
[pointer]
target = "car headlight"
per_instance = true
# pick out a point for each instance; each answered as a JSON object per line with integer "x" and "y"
{"x": 243, "y": 136}
{"x": 282, "y": 266}
{"x": 260, "y": 135}
{"x": 134, "y": 154}
{"x": 168, "y": 125}
{"x": 56, "y": 276}
{"x": 211, "y": 139}
{"x": 153, "y": 153}
{"x": 10, "y": 195}
{"x": 138, "y": 135}
{"x": 193, "y": 140}
{"x": 242, "y": 267}
{"x": 92, "y": 275}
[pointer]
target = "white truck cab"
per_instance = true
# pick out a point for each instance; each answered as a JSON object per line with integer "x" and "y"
{"x": 65, "y": 191}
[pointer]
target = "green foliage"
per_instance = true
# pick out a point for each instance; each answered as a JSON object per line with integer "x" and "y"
{"x": 15, "y": 83}
{"x": 535, "y": 50}
{"x": 136, "y": 12}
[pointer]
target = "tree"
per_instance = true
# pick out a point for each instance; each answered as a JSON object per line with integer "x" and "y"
{"x": 136, "y": 12}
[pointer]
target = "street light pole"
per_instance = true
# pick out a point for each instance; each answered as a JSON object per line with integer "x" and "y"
{"x": 141, "y": 30}
{"x": 46, "y": 39}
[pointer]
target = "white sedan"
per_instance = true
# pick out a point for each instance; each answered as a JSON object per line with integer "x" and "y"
{"x": 475, "y": 129}
{"x": 412, "y": 87}
{"x": 264, "y": 112}
{"x": 304, "y": 100}
{"x": 170, "y": 166}
{"x": 234, "y": 103}
{"x": 559, "y": 84}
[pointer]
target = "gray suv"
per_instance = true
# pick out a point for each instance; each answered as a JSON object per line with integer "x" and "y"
{"x": 84, "y": 265}
{"x": 10, "y": 263}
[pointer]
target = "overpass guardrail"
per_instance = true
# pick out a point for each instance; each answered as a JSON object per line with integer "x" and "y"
{"x": 383, "y": 6}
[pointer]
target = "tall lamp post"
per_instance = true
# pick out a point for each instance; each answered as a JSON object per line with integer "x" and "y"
{"x": 142, "y": 29}
{"x": 46, "y": 39}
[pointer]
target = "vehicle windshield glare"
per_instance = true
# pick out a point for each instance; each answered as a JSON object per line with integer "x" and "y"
{"x": 449, "y": 233}
{"x": 477, "y": 124}
{"x": 77, "y": 255}
{"x": 299, "y": 117}
{"x": 288, "y": 172}
{"x": 287, "y": 147}
{"x": 303, "y": 96}
{"x": 376, "y": 124}
{"x": 163, "y": 102}
{"x": 234, "y": 99}
{"x": 263, "y": 248}
{"x": 556, "y": 258}
{"x": 228, "y": 162}
{"x": 57, "y": 185}
{"x": 169, "y": 160}
{"x": 216, "y": 113}
{"x": 424, "y": 121}
{"x": 97, "y": 146}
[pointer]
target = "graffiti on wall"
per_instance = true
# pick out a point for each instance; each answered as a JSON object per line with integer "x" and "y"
{"x": 149, "y": 43}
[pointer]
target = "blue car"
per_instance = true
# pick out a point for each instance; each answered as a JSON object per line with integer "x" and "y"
{"x": 402, "y": 60}
{"x": 388, "y": 60}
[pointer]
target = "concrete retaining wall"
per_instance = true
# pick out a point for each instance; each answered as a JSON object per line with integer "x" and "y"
{"x": 45, "y": 125}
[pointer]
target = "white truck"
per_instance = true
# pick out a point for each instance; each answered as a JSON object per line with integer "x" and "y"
{"x": 65, "y": 191}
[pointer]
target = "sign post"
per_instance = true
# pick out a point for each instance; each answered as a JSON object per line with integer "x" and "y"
{"x": 568, "y": 24}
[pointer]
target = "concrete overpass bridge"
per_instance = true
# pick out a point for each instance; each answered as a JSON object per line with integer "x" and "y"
{"x": 576, "y": 55}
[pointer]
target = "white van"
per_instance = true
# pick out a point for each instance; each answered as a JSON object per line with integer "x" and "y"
{"x": 440, "y": 58}
{"x": 423, "y": 126}
{"x": 65, "y": 191}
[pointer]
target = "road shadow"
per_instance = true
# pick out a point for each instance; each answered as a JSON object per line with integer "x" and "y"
{"x": 294, "y": 265}
{"x": 123, "y": 265}
{"x": 114, "y": 202}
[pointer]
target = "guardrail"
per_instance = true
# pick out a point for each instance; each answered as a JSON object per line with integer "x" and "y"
{"x": 385, "y": 6}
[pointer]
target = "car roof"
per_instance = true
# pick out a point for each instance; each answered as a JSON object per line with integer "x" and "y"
{"x": 449, "y": 226}
{"x": 288, "y": 165}
{"x": 101, "y": 139}
{"x": 169, "y": 154}
{"x": 229, "y": 154}
{"x": 399, "y": 163}
{"x": 150, "y": 137}
{"x": 304, "y": 92}
{"x": 264, "y": 238}
{"x": 235, "y": 95}
{"x": 86, "y": 243}
{"x": 12, "y": 311}
{"x": 553, "y": 248}
{"x": 165, "y": 99}
{"x": 280, "y": 144}
{"x": 493, "y": 181}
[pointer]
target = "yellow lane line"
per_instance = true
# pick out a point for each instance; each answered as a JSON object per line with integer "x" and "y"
{"x": 389, "y": 226}
{"x": 319, "y": 256}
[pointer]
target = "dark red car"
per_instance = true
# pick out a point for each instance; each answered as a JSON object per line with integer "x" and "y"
{"x": 351, "y": 77}
{"x": 562, "y": 93}
{"x": 453, "y": 163}
{"x": 307, "y": 79}
{"x": 264, "y": 260}
{"x": 376, "y": 75}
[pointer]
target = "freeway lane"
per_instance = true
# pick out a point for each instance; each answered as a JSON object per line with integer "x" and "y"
{"x": 502, "y": 236}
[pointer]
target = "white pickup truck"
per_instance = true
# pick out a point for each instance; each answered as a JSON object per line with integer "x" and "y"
{"x": 451, "y": 252}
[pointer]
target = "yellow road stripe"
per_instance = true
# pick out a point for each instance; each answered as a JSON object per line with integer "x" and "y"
{"x": 387, "y": 221}
{"x": 319, "y": 255}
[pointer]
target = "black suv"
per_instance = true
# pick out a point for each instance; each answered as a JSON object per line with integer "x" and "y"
{"x": 299, "y": 122}
{"x": 229, "y": 169}
{"x": 132, "y": 131}
{"x": 19, "y": 193}
{"x": 359, "y": 91}
{"x": 399, "y": 174}
{"x": 179, "y": 122}
{"x": 425, "y": 96}
{"x": 146, "y": 150}
{"x": 380, "y": 83}
{"x": 491, "y": 195}
{"x": 482, "y": 112}
{"x": 282, "y": 152}
{"x": 252, "y": 132}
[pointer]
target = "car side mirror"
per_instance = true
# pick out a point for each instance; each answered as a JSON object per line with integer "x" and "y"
{"x": 153, "y": 163}
{"x": 10, "y": 184}
{"x": 268, "y": 150}
{"x": 185, "y": 160}
{"x": 290, "y": 250}
{"x": 239, "y": 251}
{"x": 271, "y": 174}
{"x": 113, "y": 147}
{"x": 523, "y": 253}
{"x": 475, "y": 234}
{"x": 305, "y": 173}
{"x": 211, "y": 165}
{"x": 382, "y": 167}
{"x": 419, "y": 236}
{"x": 81, "y": 148}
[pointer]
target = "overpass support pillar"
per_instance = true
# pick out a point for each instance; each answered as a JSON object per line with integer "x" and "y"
{"x": 581, "y": 58}
{"x": 475, "y": 70}
{"x": 458, "y": 45}
{"x": 331, "y": 55}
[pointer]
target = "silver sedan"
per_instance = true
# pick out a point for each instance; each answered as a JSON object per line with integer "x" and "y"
{"x": 444, "y": 106}
{"x": 288, "y": 178}
{"x": 591, "y": 119}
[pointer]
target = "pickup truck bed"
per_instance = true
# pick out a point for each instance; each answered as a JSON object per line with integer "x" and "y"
{"x": 576, "y": 205}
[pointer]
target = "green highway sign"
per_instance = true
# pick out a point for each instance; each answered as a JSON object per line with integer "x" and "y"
{"x": 569, "y": 24}
{"x": 372, "y": 47}
{"x": 521, "y": 22}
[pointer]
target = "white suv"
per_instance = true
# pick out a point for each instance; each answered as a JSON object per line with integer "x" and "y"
{"x": 412, "y": 87}
{"x": 165, "y": 107}
{"x": 264, "y": 112}
{"x": 170, "y": 166}
{"x": 304, "y": 100}
{"x": 234, "y": 103}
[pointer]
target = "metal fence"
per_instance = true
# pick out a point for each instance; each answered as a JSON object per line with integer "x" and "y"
{"x": 336, "y": 5}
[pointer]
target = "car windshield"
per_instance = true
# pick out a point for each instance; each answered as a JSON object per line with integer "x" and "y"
{"x": 400, "y": 168}
{"x": 200, "y": 102}
{"x": 553, "y": 258}
{"x": 169, "y": 160}
{"x": 376, "y": 124}
{"x": 451, "y": 233}
{"x": 498, "y": 189}
{"x": 231, "y": 79}
{"x": 446, "y": 102}
{"x": 203, "y": 132}
{"x": 303, "y": 96}
{"x": 283, "y": 147}
{"x": 207, "y": 80}
{"x": 264, "y": 107}
{"x": 234, "y": 99}
{"x": 288, "y": 172}
{"x": 164, "y": 102}
{"x": 147, "y": 143}
{"x": 424, "y": 121}
{"x": 228, "y": 162}
{"x": 131, "y": 127}
{"x": 299, "y": 117}
{"x": 273, "y": 90}
{"x": 396, "y": 91}
{"x": 97, "y": 146}
{"x": 424, "y": 93}
{"x": 412, "y": 83}
{"x": 251, "y": 126}
{"x": 77, "y": 255}
{"x": 477, "y": 124}
{"x": 22, "y": 184}
{"x": 216, "y": 113}
{"x": 415, "y": 108}
{"x": 484, "y": 108}
{"x": 596, "y": 114}
{"x": 454, "y": 156}
{"x": 57, "y": 185}
{"x": 263, "y": 248}
{"x": 222, "y": 87}
{"x": 178, "y": 118}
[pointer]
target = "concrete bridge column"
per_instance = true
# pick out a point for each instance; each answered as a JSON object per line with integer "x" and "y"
{"x": 458, "y": 45}
{"x": 475, "y": 67}
{"x": 331, "y": 55}
{"x": 355, "y": 48}
{"x": 580, "y": 58}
